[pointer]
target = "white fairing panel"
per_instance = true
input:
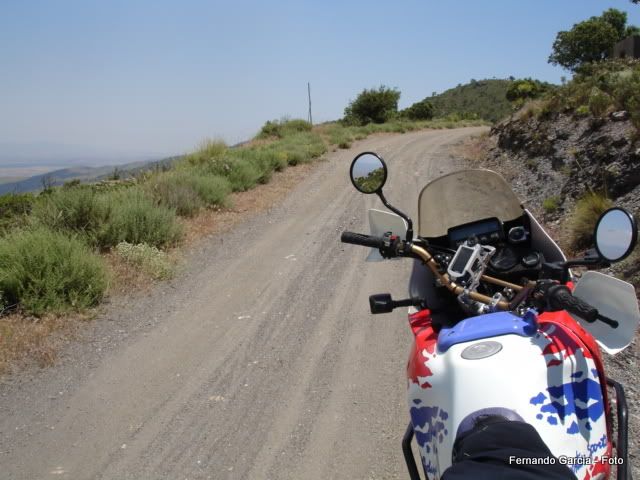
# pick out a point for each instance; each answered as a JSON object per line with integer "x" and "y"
{"x": 556, "y": 391}
{"x": 381, "y": 222}
{"x": 541, "y": 241}
{"x": 615, "y": 299}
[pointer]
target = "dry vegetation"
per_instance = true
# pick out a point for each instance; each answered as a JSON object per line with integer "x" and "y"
{"x": 149, "y": 217}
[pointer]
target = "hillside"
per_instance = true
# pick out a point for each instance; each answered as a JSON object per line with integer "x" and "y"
{"x": 582, "y": 137}
{"x": 484, "y": 99}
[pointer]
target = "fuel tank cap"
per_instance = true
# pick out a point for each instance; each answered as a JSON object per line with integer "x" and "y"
{"x": 481, "y": 350}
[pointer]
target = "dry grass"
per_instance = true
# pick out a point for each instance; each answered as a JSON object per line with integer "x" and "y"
{"x": 27, "y": 341}
{"x": 474, "y": 149}
{"x": 125, "y": 277}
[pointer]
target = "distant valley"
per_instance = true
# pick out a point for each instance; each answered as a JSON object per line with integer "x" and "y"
{"x": 27, "y": 179}
{"x": 27, "y": 167}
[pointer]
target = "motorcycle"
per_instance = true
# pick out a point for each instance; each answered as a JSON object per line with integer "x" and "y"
{"x": 500, "y": 324}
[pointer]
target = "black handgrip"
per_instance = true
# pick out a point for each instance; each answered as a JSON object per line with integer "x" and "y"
{"x": 560, "y": 298}
{"x": 362, "y": 239}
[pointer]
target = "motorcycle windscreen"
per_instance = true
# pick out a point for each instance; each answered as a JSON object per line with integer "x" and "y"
{"x": 464, "y": 197}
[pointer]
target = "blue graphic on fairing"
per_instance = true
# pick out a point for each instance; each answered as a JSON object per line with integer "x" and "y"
{"x": 430, "y": 430}
{"x": 581, "y": 398}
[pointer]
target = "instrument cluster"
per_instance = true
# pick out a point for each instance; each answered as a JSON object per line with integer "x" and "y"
{"x": 513, "y": 256}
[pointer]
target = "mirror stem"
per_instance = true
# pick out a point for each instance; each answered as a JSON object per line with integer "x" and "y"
{"x": 398, "y": 212}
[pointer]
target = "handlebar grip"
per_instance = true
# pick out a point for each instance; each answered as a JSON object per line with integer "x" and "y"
{"x": 560, "y": 297}
{"x": 362, "y": 239}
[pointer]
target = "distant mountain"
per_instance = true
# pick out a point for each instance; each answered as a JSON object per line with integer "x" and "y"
{"x": 15, "y": 154}
{"x": 84, "y": 174}
{"x": 484, "y": 98}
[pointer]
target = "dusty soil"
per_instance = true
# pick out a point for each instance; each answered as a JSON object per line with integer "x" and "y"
{"x": 258, "y": 360}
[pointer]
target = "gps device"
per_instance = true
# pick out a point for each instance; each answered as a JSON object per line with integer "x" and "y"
{"x": 462, "y": 261}
{"x": 468, "y": 263}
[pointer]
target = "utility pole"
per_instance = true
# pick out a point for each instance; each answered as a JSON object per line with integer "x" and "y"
{"x": 309, "y": 92}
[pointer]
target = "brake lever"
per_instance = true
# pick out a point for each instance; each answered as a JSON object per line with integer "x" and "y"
{"x": 609, "y": 321}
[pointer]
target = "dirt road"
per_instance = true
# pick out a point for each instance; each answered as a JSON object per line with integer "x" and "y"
{"x": 260, "y": 361}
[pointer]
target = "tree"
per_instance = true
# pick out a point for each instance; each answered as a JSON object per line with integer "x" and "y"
{"x": 374, "y": 105}
{"x": 591, "y": 40}
{"x": 422, "y": 110}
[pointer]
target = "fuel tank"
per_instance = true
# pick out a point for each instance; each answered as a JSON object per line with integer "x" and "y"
{"x": 545, "y": 368}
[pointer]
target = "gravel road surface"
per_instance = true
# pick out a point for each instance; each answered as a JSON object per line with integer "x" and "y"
{"x": 259, "y": 361}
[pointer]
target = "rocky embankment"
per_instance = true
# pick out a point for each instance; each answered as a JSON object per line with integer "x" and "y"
{"x": 552, "y": 163}
{"x": 564, "y": 158}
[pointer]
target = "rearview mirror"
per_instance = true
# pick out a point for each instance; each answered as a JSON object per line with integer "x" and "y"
{"x": 368, "y": 173}
{"x": 615, "y": 234}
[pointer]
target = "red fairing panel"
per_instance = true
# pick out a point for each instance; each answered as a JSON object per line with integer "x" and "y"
{"x": 423, "y": 349}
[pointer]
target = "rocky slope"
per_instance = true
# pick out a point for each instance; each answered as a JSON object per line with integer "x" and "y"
{"x": 568, "y": 156}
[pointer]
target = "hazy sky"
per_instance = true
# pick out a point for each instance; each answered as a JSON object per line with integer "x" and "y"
{"x": 159, "y": 76}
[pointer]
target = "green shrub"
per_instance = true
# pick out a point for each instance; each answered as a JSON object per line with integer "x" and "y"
{"x": 301, "y": 147}
{"x": 135, "y": 218}
{"x": 586, "y": 213}
{"x": 14, "y": 209}
{"x": 149, "y": 259}
{"x": 583, "y": 111}
{"x": 520, "y": 91}
{"x": 47, "y": 271}
{"x": 187, "y": 190}
{"x": 372, "y": 106}
{"x": 551, "y": 204}
{"x": 422, "y": 110}
{"x": 283, "y": 128}
{"x": 210, "y": 151}
{"x": 340, "y": 136}
{"x": 72, "y": 183}
{"x": 78, "y": 210}
{"x": 599, "y": 102}
{"x": 168, "y": 191}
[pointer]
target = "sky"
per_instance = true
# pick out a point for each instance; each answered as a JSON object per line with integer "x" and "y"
{"x": 158, "y": 77}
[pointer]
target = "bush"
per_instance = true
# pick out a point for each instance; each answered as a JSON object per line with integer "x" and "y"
{"x": 283, "y": 128}
{"x": 136, "y": 219}
{"x": 422, "y": 110}
{"x": 188, "y": 189}
{"x": 14, "y": 209}
{"x": 599, "y": 102}
{"x": 209, "y": 152}
{"x": 169, "y": 192}
{"x": 372, "y": 106}
{"x": 551, "y": 204}
{"x": 78, "y": 210}
{"x": 520, "y": 91}
{"x": 586, "y": 213}
{"x": 299, "y": 148}
{"x": 46, "y": 271}
{"x": 152, "y": 261}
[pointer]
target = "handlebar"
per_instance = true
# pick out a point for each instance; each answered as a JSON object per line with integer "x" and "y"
{"x": 362, "y": 239}
{"x": 560, "y": 298}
